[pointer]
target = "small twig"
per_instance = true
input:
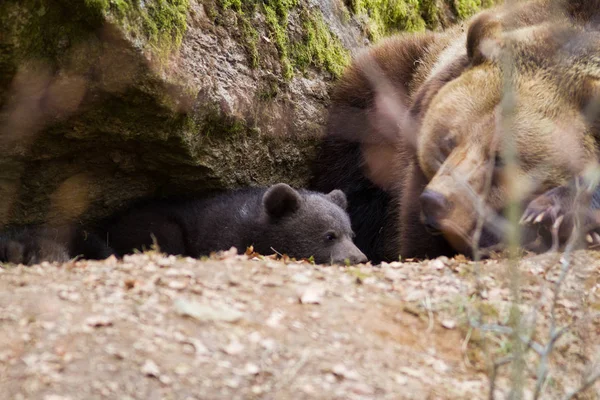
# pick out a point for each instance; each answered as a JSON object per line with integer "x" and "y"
{"x": 494, "y": 373}
{"x": 464, "y": 346}
{"x": 533, "y": 345}
{"x": 495, "y": 328}
{"x": 276, "y": 252}
{"x": 506, "y": 330}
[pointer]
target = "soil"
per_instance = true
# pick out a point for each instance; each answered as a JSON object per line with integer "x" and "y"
{"x": 232, "y": 326}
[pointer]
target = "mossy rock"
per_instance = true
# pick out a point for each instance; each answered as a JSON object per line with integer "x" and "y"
{"x": 106, "y": 101}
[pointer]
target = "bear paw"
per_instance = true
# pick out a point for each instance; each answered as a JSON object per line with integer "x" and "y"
{"x": 17, "y": 252}
{"x": 550, "y": 208}
{"x": 31, "y": 245}
{"x": 554, "y": 212}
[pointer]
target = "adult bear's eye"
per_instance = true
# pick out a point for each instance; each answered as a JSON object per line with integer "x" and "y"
{"x": 448, "y": 144}
{"x": 498, "y": 161}
{"x": 330, "y": 236}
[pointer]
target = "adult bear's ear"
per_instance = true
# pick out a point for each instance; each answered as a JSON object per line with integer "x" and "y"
{"x": 484, "y": 38}
{"x": 281, "y": 200}
{"x": 338, "y": 197}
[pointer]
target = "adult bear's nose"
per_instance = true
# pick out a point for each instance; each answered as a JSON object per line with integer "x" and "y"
{"x": 434, "y": 208}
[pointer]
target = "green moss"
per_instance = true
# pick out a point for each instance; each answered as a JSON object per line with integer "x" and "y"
{"x": 48, "y": 28}
{"x": 246, "y": 32}
{"x": 250, "y": 35}
{"x": 215, "y": 124}
{"x": 431, "y": 13}
{"x": 276, "y": 18}
{"x": 161, "y": 23}
{"x": 233, "y": 4}
{"x": 319, "y": 46}
{"x": 388, "y": 16}
{"x": 465, "y": 8}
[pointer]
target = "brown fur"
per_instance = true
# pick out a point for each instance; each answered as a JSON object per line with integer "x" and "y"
{"x": 447, "y": 131}
{"x": 358, "y": 115}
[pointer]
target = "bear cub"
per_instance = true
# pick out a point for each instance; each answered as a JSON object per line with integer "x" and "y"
{"x": 280, "y": 219}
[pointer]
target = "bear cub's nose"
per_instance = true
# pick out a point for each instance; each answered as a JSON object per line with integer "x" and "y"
{"x": 434, "y": 207}
{"x": 358, "y": 258}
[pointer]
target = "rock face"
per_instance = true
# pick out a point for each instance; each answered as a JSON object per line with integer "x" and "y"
{"x": 106, "y": 101}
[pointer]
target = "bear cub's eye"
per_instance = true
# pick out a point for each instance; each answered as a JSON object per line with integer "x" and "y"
{"x": 330, "y": 236}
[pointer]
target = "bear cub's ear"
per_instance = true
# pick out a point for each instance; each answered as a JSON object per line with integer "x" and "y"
{"x": 338, "y": 197}
{"x": 280, "y": 200}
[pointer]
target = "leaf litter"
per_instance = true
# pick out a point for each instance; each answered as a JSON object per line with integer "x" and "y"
{"x": 283, "y": 329}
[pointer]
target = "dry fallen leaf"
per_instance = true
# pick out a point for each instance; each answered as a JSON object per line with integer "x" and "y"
{"x": 341, "y": 371}
{"x": 449, "y": 324}
{"x": 98, "y": 321}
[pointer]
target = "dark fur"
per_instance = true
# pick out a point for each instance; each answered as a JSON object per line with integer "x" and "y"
{"x": 34, "y": 244}
{"x": 279, "y": 219}
{"x": 368, "y": 205}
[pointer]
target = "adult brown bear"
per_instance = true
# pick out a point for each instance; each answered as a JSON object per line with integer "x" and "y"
{"x": 418, "y": 125}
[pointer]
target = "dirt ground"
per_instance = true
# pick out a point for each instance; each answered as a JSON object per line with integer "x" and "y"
{"x": 244, "y": 327}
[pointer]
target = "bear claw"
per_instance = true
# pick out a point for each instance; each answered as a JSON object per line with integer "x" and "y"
{"x": 558, "y": 221}
{"x": 593, "y": 239}
{"x": 526, "y": 218}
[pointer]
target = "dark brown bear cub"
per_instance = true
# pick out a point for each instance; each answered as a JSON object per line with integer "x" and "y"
{"x": 279, "y": 219}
